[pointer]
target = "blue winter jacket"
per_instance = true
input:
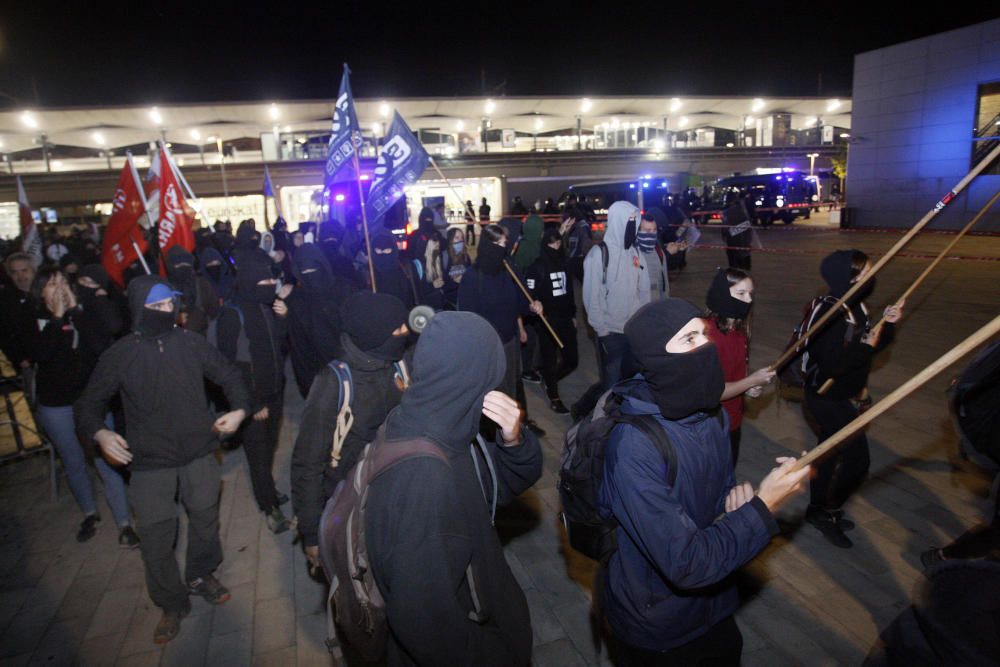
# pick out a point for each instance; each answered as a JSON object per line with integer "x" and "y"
{"x": 667, "y": 583}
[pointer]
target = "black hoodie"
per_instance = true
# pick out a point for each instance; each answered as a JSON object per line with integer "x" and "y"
{"x": 427, "y": 522}
{"x": 198, "y": 301}
{"x": 161, "y": 381}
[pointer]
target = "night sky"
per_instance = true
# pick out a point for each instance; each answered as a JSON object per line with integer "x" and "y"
{"x": 155, "y": 52}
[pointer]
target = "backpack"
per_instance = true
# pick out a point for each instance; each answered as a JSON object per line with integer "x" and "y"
{"x": 796, "y": 373}
{"x": 359, "y": 608}
{"x": 581, "y": 472}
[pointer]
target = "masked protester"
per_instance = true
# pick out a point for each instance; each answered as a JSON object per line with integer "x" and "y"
{"x": 455, "y": 260}
{"x": 198, "y": 301}
{"x": 729, "y": 300}
{"x": 159, "y": 371}
{"x": 252, "y": 333}
{"x": 450, "y": 597}
{"x": 656, "y": 254}
{"x": 529, "y": 247}
{"x": 314, "y": 323}
{"x": 374, "y": 342}
{"x": 392, "y": 275}
{"x": 217, "y": 271}
{"x": 666, "y": 596}
{"x": 841, "y": 352}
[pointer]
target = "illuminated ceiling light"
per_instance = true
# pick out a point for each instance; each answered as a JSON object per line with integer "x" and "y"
{"x": 98, "y": 138}
{"x": 683, "y": 121}
{"x": 490, "y": 106}
{"x": 811, "y": 120}
{"x": 274, "y": 112}
{"x": 377, "y": 128}
{"x": 288, "y": 128}
{"x": 384, "y": 109}
{"x": 844, "y": 135}
{"x": 675, "y": 104}
{"x": 539, "y": 123}
{"x": 833, "y": 105}
{"x": 210, "y": 139}
{"x": 460, "y": 125}
{"x": 586, "y": 105}
{"x": 156, "y": 116}
{"x": 1, "y": 143}
{"x": 749, "y": 120}
{"x": 658, "y": 144}
{"x": 28, "y": 118}
{"x": 757, "y": 105}
{"x": 56, "y": 164}
{"x": 195, "y": 134}
{"x": 615, "y": 123}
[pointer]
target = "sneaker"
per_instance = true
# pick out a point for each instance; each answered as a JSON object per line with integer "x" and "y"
{"x": 535, "y": 428}
{"x": 281, "y": 498}
{"x": 931, "y": 557}
{"x": 557, "y": 407}
{"x": 826, "y": 522}
{"x": 170, "y": 625}
{"x": 276, "y": 521}
{"x": 127, "y": 539}
{"x": 88, "y": 528}
{"x": 209, "y": 588}
{"x": 531, "y": 376}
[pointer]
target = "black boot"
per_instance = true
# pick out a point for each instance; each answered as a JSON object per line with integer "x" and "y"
{"x": 826, "y": 522}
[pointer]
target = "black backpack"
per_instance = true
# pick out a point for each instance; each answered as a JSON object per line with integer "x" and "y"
{"x": 797, "y": 371}
{"x": 581, "y": 472}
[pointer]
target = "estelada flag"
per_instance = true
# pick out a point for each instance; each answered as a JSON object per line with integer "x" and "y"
{"x": 176, "y": 218}
{"x": 31, "y": 240}
{"x": 123, "y": 236}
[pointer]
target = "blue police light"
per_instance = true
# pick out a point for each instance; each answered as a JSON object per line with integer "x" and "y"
{"x": 645, "y": 184}
{"x": 339, "y": 197}
{"x": 648, "y": 176}
{"x": 631, "y": 186}
{"x": 663, "y": 184}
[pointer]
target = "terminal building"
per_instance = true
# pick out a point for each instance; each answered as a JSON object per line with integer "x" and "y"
{"x": 534, "y": 148}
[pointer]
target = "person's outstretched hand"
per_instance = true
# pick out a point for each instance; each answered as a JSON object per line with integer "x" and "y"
{"x": 782, "y": 483}
{"x": 505, "y": 411}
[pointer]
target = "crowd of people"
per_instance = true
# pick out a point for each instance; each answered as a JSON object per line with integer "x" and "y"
{"x": 163, "y": 372}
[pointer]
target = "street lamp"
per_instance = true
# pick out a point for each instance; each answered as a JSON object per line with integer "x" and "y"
{"x": 812, "y": 162}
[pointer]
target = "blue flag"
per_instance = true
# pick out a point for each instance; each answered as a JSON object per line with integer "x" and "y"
{"x": 346, "y": 134}
{"x": 401, "y": 162}
{"x": 268, "y": 186}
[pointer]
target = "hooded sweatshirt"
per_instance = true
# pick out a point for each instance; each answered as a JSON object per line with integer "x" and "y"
{"x": 530, "y": 246}
{"x": 198, "y": 300}
{"x": 161, "y": 382}
{"x": 835, "y": 352}
{"x": 314, "y": 315}
{"x": 610, "y": 304}
{"x": 220, "y": 276}
{"x": 428, "y": 524}
{"x": 390, "y": 275}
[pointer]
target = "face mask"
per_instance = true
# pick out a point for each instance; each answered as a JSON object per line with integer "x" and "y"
{"x": 183, "y": 273}
{"x": 646, "y": 241}
{"x": 685, "y": 383}
{"x": 490, "y": 258}
{"x": 630, "y": 233}
{"x": 458, "y": 247}
{"x": 215, "y": 272}
{"x": 155, "y": 322}
{"x": 392, "y": 349}
{"x": 865, "y": 291}
{"x": 264, "y": 294}
{"x": 385, "y": 263}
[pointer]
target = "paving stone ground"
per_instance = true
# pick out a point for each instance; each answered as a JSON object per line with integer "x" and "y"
{"x": 804, "y": 602}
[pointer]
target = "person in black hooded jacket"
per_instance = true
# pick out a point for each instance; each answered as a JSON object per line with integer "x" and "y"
{"x": 198, "y": 300}
{"x": 392, "y": 275}
{"x": 314, "y": 315}
{"x": 842, "y": 352}
{"x": 450, "y": 597}
{"x": 169, "y": 442}
{"x": 373, "y": 340}
{"x": 251, "y": 333}
{"x": 218, "y": 271}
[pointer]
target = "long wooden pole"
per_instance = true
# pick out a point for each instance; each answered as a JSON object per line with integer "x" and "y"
{"x": 795, "y": 349}
{"x": 975, "y": 340}
{"x": 364, "y": 214}
{"x": 527, "y": 294}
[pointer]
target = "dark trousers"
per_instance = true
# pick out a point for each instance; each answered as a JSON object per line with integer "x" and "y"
{"x": 533, "y": 327}
{"x": 839, "y": 473}
{"x": 152, "y": 494}
{"x": 615, "y": 363}
{"x": 260, "y": 440}
{"x": 738, "y": 258}
{"x": 556, "y": 363}
{"x": 721, "y": 645}
{"x": 470, "y": 234}
{"x": 734, "y": 444}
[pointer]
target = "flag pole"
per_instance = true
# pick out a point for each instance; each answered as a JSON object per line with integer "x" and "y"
{"x": 364, "y": 214}
{"x": 447, "y": 182}
{"x": 145, "y": 208}
{"x": 196, "y": 203}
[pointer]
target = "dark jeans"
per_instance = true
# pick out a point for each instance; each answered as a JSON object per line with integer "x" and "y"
{"x": 152, "y": 494}
{"x": 260, "y": 439}
{"x": 614, "y": 364}
{"x": 470, "y": 234}
{"x": 556, "y": 363}
{"x": 721, "y": 645}
{"x": 534, "y": 328}
{"x": 839, "y": 473}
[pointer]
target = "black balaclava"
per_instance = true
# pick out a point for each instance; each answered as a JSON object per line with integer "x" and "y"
{"x": 836, "y": 271}
{"x": 721, "y": 301}
{"x": 426, "y": 220}
{"x": 253, "y": 267}
{"x": 96, "y": 273}
{"x": 313, "y": 270}
{"x": 457, "y": 361}
{"x": 180, "y": 271}
{"x": 247, "y": 236}
{"x": 553, "y": 256}
{"x": 369, "y": 320}
{"x": 67, "y": 261}
{"x": 490, "y": 257}
{"x": 146, "y": 321}
{"x": 682, "y": 384}
{"x": 385, "y": 263}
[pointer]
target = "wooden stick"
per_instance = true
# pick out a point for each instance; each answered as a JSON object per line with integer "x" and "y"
{"x": 795, "y": 349}
{"x": 364, "y": 215}
{"x": 527, "y": 294}
{"x": 916, "y": 283}
{"x": 978, "y": 338}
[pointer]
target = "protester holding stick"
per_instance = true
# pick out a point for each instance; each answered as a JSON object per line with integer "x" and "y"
{"x": 842, "y": 352}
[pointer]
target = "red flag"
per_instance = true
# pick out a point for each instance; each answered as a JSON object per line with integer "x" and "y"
{"x": 31, "y": 240}
{"x": 176, "y": 217}
{"x": 123, "y": 241}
